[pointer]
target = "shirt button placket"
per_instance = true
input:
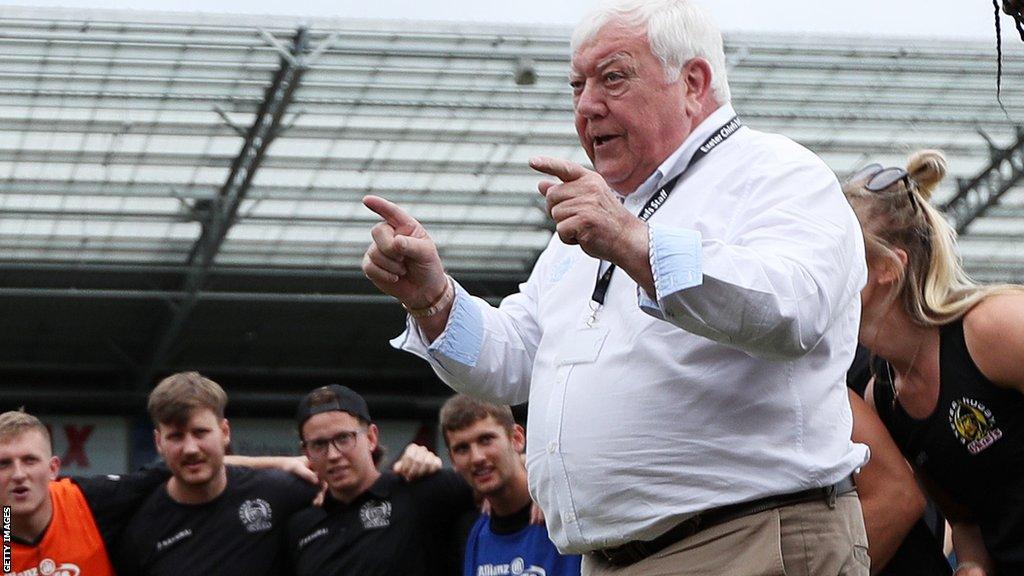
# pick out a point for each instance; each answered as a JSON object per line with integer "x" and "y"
{"x": 559, "y": 475}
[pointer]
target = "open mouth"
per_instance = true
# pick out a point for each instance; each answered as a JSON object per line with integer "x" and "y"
{"x": 20, "y": 491}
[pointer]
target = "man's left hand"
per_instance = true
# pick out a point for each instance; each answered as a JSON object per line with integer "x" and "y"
{"x": 587, "y": 213}
{"x": 416, "y": 462}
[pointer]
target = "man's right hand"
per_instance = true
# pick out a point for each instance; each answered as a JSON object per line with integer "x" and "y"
{"x": 402, "y": 260}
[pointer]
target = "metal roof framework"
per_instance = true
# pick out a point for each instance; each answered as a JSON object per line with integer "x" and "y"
{"x": 187, "y": 187}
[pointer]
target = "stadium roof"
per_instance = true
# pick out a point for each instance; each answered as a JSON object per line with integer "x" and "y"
{"x": 183, "y": 190}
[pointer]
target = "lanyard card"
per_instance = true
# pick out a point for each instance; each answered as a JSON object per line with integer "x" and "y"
{"x": 582, "y": 345}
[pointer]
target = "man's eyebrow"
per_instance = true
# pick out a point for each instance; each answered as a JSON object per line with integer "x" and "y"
{"x": 615, "y": 59}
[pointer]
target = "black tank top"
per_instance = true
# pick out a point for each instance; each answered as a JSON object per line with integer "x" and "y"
{"x": 920, "y": 553}
{"x": 972, "y": 444}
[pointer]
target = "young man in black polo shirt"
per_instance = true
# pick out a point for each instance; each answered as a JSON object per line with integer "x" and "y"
{"x": 209, "y": 518}
{"x": 371, "y": 523}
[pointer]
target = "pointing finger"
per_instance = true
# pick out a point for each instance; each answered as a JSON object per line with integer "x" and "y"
{"x": 393, "y": 214}
{"x": 564, "y": 170}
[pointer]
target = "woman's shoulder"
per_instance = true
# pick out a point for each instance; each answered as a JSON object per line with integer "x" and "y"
{"x": 994, "y": 332}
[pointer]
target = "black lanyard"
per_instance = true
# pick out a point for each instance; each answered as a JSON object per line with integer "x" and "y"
{"x": 658, "y": 200}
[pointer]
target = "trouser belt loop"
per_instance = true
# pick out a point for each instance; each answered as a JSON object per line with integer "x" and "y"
{"x": 831, "y": 493}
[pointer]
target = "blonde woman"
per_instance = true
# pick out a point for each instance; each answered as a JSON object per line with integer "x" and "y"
{"x": 949, "y": 369}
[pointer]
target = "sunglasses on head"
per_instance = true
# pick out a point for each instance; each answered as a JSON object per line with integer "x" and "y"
{"x": 878, "y": 179}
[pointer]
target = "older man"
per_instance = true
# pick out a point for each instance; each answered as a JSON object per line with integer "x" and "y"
{"x": 684, "y": 337}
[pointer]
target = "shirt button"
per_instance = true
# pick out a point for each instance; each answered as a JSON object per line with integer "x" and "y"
{"x": 552, "y": 446}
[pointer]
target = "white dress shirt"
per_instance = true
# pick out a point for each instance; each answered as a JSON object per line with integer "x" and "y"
{"x": 727, "y": 387}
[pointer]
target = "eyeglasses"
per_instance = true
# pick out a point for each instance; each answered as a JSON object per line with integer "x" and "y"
{"x": 343, "y": 441}
{"x": 879, "y": 179}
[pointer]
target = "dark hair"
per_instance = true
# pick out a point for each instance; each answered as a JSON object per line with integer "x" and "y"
{"x": 177, "y": 396}
{"x": 461, "y": 412}
{"x": 1015, "y": 9}
{"x": 327, "y": 395}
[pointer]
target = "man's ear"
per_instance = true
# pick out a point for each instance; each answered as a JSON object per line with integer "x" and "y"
{"x": 158, "y": 442}
{"x": 225, "y": 429}
{"x": 518, "y": 438}
{"x": 371, "y": 436}
{"x": 54, "y": 467}
{"x": 696, "y": 79}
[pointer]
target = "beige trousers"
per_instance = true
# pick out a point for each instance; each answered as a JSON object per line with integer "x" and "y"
{"x": 808, "y": 539}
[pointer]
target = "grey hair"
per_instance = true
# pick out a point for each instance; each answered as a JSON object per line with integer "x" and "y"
{"x": 677, "y": 32}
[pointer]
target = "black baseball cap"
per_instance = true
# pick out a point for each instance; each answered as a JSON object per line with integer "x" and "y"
{"x": 334, "y": 397}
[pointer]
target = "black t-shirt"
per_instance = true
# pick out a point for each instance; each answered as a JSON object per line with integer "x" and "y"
{"x": 395, "y": 528}
{"x": 113, "y": 499}
{"x": 920, "y": 554}
{"x": 238, "y": 533}
{"x": 971, "y": 445}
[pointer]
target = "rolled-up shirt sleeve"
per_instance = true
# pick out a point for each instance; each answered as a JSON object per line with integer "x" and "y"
{"x": 461, "y": 340}
{"x": 675, "y": 261}
{"x": 771, "y": 288}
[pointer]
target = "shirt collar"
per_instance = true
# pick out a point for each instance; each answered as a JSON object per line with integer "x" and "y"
{"x": 678, "y": 160}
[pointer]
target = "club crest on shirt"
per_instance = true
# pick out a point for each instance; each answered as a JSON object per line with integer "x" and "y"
{"x": 50, "y": 568}
{"x": 973, "y": 424}
{"x": 255, "y": 514}
{"x": 375, "y": 514}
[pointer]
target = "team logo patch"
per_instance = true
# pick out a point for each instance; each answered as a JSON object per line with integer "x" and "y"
{"x": 375, "y": 514}
{"x": 255, "y": 515}
{"x": 50, "y": 568}
{"x": 973, "y": 424}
